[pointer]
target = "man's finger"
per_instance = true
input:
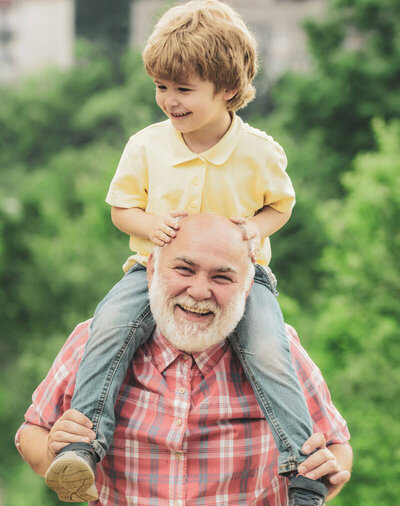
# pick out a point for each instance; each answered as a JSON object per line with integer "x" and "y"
{"x": 73, "y": 428}
{"x": 327, "y": 468}
{"x": 76, "y": 416}
{"x": 340, "y": 478}
{"x": 68, "y": 437}
{"x": 316, "y": 459}
{"x": 316, "y": 441}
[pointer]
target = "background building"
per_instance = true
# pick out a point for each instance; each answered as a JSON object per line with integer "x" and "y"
{"x": 277, "y": 25}
{"x": 38, "y": 33}
{"x": 35, "y": 34}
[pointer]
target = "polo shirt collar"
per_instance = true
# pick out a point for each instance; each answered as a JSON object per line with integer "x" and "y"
{"x": 163, "y": 354}
{"x": 217, "y": 155}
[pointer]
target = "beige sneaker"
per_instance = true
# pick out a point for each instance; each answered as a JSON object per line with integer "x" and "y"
{"x": 71, "y": 475}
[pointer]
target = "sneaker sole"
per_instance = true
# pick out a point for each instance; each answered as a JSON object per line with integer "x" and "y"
{"x": 72, "y": 478}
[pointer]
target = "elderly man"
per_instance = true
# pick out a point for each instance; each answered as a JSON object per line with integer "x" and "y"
{"x": 189, "y": 429}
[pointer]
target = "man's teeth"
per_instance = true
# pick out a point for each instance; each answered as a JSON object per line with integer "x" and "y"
{"x": 179, "y": 114}
{"x": 194, "y": 310}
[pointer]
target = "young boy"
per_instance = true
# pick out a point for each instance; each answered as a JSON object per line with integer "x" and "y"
{"x": 202, "y": 59}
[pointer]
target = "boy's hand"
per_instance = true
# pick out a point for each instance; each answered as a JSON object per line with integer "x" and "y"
{"x": 165, "y": 227}
{"x": 251, "y": 233}
{"x": 71, "y": 427}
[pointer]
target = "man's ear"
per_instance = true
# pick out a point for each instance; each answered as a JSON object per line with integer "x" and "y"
{"x": 150, "y": 268}
{"x": 248, "y": 290}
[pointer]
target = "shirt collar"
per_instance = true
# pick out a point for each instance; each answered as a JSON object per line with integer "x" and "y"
{"x": 217, "y": 155}
{"x": 163, "y": 354}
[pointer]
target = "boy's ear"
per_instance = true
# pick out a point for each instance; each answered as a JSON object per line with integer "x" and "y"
{"x": 228, "y": 94}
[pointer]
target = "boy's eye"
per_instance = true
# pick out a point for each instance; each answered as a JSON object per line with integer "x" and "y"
{"x": 161, "y": 87}
{"x": 184, "y": 90}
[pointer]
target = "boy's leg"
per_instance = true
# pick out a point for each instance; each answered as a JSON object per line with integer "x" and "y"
{"x": 122, "y": 322}
{"x": 120, "y": 325}
{"x": 261, "y": 343}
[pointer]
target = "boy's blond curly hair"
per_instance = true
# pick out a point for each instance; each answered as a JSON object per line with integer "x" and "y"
{"x": 206, "y": 38}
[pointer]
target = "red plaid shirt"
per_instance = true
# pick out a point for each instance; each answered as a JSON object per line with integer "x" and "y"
{"x": 189, "y": 429}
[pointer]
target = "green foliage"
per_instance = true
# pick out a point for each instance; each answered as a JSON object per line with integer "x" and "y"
{"x": 323, "y": 119}
{"x": 64, "y": 135}
{"x": 104, "y": 23}
{"x": 336, "y": 259}
{"x": 357, "y": 333}
{"x": 356, "y": 57}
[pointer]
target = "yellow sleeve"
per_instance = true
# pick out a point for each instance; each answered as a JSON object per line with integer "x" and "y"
{"x": 279, "y": 192}
{"x": 129, "y": 186}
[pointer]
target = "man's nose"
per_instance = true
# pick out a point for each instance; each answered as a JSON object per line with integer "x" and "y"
{"x": 199, "y": 288}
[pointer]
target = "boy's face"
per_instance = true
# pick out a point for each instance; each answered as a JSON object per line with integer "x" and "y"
{"x": 193, "y": 107}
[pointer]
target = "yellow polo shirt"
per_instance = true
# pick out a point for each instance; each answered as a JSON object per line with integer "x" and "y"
{"x": 243, "y": 172}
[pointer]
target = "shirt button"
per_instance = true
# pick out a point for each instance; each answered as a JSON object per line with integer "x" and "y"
{"x": 196, "y": 181}
{"x": 182, "y": 390}
{"x": 193, "y": 204}
{"x": 179, "y": 422}
{"x": 178, "y": 456}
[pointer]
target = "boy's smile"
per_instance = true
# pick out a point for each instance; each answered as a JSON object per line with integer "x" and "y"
{"x": 195, "y": 110}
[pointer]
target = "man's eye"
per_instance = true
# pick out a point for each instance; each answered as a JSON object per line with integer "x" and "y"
{"x": 185, "y": 271}
{"x": 220, "y": 278}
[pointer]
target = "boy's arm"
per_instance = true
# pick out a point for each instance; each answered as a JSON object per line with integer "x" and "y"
{"x": 158, "y": 229}
{"x": 266, "y": 222}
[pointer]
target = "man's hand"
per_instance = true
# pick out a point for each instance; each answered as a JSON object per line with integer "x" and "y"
{"x": 71, "y": 427}
{"x": 165, "y": 227}
{"x": 333, "y": 463}
{"x": 251, "y": 233}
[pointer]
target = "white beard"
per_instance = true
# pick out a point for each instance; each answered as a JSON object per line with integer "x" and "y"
{"x": 192, "y": 336}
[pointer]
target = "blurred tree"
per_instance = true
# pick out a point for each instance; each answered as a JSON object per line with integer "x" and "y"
{"x": 323, "y": 120}
{"x": 355, "y": 76}
{"x": 62, "y": 136}
{"x": 356, "y": 337}
{"x": 59, "y": 252}
{"x": 104, "y": 23}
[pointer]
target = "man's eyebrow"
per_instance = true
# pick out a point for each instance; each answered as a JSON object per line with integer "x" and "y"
{"x": 226, "y": 268}
{"x": 187, "y": 260}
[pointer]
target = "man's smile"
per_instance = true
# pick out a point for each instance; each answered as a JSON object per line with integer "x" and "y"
{"x": 194, "y": 311}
